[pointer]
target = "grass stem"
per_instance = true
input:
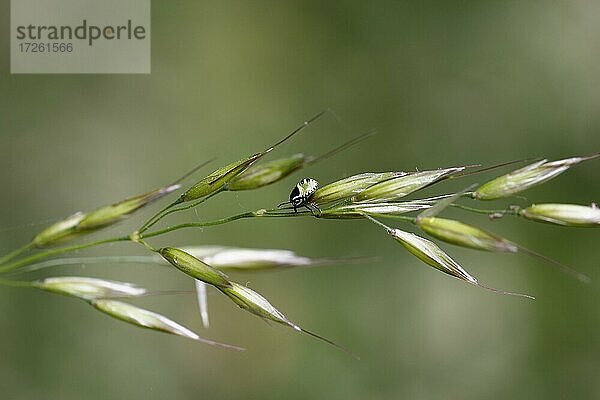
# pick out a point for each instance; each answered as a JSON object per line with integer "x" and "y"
{"x": 15, "y": 253}
{"x": 45, "y": 254}
{"x": 252, "y": 214}
{"x": 11, "y": 283}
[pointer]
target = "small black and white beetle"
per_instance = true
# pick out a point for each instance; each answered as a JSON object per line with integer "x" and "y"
{"x": 301, "y": 194}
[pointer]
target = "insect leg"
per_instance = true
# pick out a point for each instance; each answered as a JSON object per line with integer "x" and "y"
{"x": 313, "y": 208}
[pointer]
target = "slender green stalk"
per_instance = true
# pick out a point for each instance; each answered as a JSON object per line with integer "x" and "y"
{"x": 251, "y": 214}
{"x": 45, "y": 254}
{"x": 60, "y": 250}
{"x": 157, "y": 216}
{"x": 487, "y": 212}
{"x": 15, "y": 253}
{"x": 196, "y": 225}
{"x": 401, "y": 218}
{"x": 170, "y": 210}
{"x": 55, "y": 262}
{"x": 381, "y": 224}
{"x": 6, "y": 282}
{"x": 146, "y": 245}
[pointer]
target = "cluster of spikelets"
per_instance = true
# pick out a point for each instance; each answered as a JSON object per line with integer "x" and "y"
{"x": 372, "y": 196}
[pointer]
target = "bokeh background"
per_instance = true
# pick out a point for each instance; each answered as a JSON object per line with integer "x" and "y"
{"x": 443, "y": 83}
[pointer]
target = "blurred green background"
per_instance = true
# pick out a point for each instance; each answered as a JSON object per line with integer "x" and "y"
{"x": 443, "y": 83}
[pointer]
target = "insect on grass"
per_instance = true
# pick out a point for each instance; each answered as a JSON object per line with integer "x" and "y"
{"x": 301, "y": 195}
{"x": 369, "y": 196}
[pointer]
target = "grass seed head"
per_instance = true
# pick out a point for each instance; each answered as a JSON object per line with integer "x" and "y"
{"x": 80, "y": 224}
{"x": 244, "y": 259}
{"x": 267, "y": 173}
{"x": 217, "y": 180}
{"x": 149, "y": 320}
{"x": 346, "y": 211}
{"x": 88, "y": 288}
{"x": 193, "y": 267}
{"x": 113, "y": 213}
{"x": 525, "y": 178}
{"x": 564, "y": 214}
{"x": 253, "y": 302}
{"x": 248, "y": 259}
{"x": 431, "y": 254}
{"x": 351, "y": 186}
{"x": 461, "y": 234}
{"x": 59, "y": 232}
{"x": 393, "y": 189}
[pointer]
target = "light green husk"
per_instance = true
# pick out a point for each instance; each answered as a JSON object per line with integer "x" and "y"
{"x": 247, "y": 259}
{"x": 61, "y": 231}
{"x": 348, "y": 211}
{"x": 217, "y": 180}
{"x": 350, "y": 186}
{"x": 428, "y": 252}
{"x": 253, "y": 302}
{"x": 431, "y": 254}
{"x": 563, "y": 214}
{"x": 88, "y": 288}
{"x": 81, "y": 224}
{"x": 525, "y": 178}
{"x": 396, "y": 188}
{"x": 150, "y": 320}
{"x": 270, "y": 172}
{"x": 113, "y": 213}
{"x": 461, "y": 234}
{"x": 267, "y": 173}
{"x": 193, "y": 267}
{"x": 245, "y": 298}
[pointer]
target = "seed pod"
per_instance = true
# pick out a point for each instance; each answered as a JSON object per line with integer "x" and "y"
{"x": 351, "y": 186}
{"x": 88, "y": 288}
{"x": 525, "y": 178}
{"x": 393, "y": 189}
{"x": 150, "y": 320}
{"x": 245, "y": 259}
{"x": 373, "y": 209}
{"x": 218, "y": 179}
{"x": 461, "y": 234}
{"x": 113, "y": 213}
{"x": 253, "y": 302}
{"x": 215, "y": 181}
{"x": 59, "y": 232}
{"x": 244, "y": 297}
{"x": 265, "y": 174}
{"x": 431, "y": 254}
{"x": 563, "y": 214}
{"x": 193, "y": 267}
{"x": 80, "y": 224}
{"x": 258, "y": 176}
